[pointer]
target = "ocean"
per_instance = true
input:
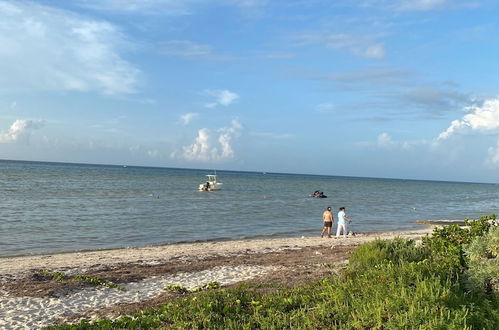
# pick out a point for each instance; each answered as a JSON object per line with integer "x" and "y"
{"x": 58, "y": 207}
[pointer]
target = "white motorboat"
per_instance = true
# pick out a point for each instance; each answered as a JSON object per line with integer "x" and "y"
{"x": 211, "y": 184}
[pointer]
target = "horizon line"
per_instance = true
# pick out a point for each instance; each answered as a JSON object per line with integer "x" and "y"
{"x": 247, "y": 171}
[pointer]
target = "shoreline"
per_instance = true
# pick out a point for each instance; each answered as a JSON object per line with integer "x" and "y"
{"x": 203, "y": 249}
{"x": 423, "y": 224}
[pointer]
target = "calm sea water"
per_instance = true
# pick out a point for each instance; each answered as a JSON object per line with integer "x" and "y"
{"x": 54, "y": 207}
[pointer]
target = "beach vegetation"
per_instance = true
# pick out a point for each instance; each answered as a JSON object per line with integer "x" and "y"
{"x": 483, "y": 265}
{"x": 58, "y": 276}
{"x": 393, "y": 284}
{"x": 178, "y": 288}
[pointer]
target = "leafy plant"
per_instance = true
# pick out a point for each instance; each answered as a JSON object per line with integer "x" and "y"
{"x": 55, "y": 276}
{"x": 85, "y": 278}
{"x": 483, "y": 253}
{"x": 99, "y": 282}
{"x": 177, "y": 288}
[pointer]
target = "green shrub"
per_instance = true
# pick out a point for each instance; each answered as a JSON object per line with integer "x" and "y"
{"x": 483, "y": 253}
{"x": 379, "y": 252}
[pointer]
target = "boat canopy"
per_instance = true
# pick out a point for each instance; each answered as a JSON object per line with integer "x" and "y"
{"x": 212, "y": 177}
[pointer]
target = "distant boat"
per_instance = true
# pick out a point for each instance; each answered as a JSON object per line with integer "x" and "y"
{"x": 211, "y": 184}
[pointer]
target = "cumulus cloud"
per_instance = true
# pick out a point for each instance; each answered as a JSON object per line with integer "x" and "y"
{"x": 188, "y": 117}
{"x": 222, "y": 97}
{"x": 480, "y": 119}
{"x": 45, "y": 48}
{"x": 20, "y": 131}
{"x": 212, "y": 146}
{"x": 363, "y": 46}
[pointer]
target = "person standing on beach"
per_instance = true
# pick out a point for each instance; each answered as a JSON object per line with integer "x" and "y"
{"x": 342, "y": 223}
{"x": 328, "y": 219}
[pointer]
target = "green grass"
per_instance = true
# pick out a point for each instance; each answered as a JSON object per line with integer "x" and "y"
{"x": 388, "y": 284}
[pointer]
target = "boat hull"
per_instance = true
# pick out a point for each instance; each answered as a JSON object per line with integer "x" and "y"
{"x": 214, "y": 186}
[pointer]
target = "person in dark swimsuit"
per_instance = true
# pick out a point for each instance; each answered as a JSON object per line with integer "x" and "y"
{"x": 328, "y": 219}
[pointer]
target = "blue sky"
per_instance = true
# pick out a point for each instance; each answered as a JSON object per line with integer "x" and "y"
{"x": 400, "y": 89}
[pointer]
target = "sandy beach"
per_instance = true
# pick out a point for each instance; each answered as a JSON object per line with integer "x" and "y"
{"x": 29, "y": 299}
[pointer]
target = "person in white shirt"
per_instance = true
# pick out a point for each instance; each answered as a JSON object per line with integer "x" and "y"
{"x": 342, "y": 223}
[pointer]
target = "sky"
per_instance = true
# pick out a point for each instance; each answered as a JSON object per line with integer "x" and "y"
{"x": 372, "y": 88}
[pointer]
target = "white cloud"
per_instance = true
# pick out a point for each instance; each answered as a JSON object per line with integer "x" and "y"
{"x": 480, "y": 118}
{"x": 385, "y": 141}
{"x": 45, "y": 48}
{"x": 211, "y": 148}
{"x": 222, "y": 97}
{"x": 20, "y": 131}
{"x": 188, "y": 117}
{"x": 477, "y": 129}
{"x": 493, "y": 158}
{"x": 363, "y": 46}
{"x": 153, "y": 153}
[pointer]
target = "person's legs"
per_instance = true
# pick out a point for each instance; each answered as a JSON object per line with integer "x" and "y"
{"x": 345, "y": 230}
{"x": 323, "y": 231}
{"x": 338, "y": 230}
{"x": 329, "y": 232}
